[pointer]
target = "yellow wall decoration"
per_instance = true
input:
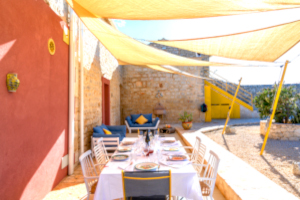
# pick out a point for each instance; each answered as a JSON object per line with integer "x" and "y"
{"x": 51, "y": 46}
{"x": 12, "y": 82}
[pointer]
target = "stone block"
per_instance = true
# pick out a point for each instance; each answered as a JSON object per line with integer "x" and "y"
{"x": 296, "y": 168}
{"x": 230, "y": 130}
{"x": 138, "y": 84}
{"x": 297, "y": 133}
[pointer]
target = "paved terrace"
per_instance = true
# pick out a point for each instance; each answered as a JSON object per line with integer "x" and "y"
{"x": 236, "y": 180}
{"x": 73, "y": 187}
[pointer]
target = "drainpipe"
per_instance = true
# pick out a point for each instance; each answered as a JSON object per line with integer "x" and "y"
{"x": 71, "y": 95}
{"x": 81, "y": 92}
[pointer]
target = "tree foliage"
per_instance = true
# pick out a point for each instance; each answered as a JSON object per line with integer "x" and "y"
{"x": 288, "y": 109}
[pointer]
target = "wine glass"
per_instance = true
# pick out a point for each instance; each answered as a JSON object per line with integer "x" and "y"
{"x": 146, "y": 149}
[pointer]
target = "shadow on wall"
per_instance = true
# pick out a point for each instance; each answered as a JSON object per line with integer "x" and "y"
{"x": 34, "y": 120}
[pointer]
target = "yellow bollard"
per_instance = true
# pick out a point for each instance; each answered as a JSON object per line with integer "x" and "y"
{"x": 274, "y": 108}
{"x": 231, "y": 106}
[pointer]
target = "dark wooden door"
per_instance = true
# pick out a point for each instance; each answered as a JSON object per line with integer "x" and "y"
{"x": 105, "y": 101}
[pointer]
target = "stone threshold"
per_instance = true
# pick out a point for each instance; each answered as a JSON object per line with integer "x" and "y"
{"x": 236, "y": 179}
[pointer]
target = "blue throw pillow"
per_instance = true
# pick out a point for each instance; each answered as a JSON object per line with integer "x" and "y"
{"x": 98, "y": 129}
{"x": 105, "y": 127}
{"x": 148, "y": 117}
{"x": 134, "y": 118}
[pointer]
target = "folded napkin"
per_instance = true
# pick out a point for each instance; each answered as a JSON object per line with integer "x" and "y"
{"x": 184, "y": 162}
{"x": 175, "y": 164}
{"x": 172, "y": 152}
{"x": 126, "y": 165}
{"x": 171, "y": 144}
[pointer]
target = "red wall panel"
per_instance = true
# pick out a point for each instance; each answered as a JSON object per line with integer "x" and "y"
{"x": 34, "y": 120}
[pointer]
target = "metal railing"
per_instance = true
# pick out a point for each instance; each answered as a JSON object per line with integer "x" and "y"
{"x": 229, "y": 87}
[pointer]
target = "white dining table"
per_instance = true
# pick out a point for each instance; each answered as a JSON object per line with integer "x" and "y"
{"x": 184, "y": 182}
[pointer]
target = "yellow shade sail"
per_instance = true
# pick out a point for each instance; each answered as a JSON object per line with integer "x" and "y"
{"x": 180, "y": 9}
{"x": 260, "y": 45}
{"x": 128, "y": 50}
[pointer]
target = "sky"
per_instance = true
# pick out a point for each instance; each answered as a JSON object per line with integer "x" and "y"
{"x": 261, "y": 74}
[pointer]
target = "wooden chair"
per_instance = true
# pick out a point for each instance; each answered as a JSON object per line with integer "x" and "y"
{"x": 208, "y": 179}
{"x": 89, "y": 172}
{"x": 100, "y": 153}
{"x": 110, "y": 144}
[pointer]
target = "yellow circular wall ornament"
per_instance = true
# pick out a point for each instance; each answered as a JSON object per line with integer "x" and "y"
{"x": 51, "y": 46}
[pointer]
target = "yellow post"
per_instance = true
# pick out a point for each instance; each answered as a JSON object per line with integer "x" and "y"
{"x": 231, "y": 106}
{"x": 274, "y": 108}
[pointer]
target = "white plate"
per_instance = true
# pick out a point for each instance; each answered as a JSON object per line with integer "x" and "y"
{"x": 146, "y": 166}
{"x": 171, "y": 149}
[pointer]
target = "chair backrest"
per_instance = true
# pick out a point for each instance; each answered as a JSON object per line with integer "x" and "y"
{"x": 100, "y": 151}
{"x": 88, "y": 168}
{"x": 211, "y": 169}
{"x": 136, "y": 184}
{"x": 198, "y": 151}
{"x": 110, "y": 144}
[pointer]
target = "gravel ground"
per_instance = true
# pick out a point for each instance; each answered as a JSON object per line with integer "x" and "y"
{"x": 276, "y": 162}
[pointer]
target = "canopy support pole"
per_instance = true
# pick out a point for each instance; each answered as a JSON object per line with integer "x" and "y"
{"x": 231, "y": 106}
{"x": 274, "y": 108}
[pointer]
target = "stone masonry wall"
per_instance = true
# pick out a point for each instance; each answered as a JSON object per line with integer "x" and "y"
{"x": 179, "y": 93}
{"x": 60, "y": 7}
{"x": 97, "y": 62}
{"x": 113, "y": 72}
{"x": 280, "y": 131}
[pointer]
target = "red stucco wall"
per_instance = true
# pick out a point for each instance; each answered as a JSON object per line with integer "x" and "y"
{"x": 34, "y": 120}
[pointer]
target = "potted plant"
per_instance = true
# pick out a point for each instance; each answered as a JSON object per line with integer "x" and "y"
{"x": 187, "y": 120}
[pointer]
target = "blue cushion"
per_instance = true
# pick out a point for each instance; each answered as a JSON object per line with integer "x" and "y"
{"x": 128, "y": 119}
{"x": 134, "y": 117}
{"x": 98, "y": 129}
{"x": 104, "y": 126}
{"x": 118, "y": 129}
{"x": 148, "y": 117}
{"x": 143, "y": 125}
{"x": 95, "y": 134}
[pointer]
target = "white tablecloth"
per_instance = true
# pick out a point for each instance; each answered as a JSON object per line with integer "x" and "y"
{"x": 185, "y": 182}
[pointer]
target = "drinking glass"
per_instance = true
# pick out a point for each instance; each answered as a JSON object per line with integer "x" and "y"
{"x": 158, "y": 154}
{"x": 146, "y": 149}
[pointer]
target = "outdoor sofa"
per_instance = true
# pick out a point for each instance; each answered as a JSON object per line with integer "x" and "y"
{"x": 151, "y": 124}
{"x": 117, "y": 131}
{"x": 111, "y": 142}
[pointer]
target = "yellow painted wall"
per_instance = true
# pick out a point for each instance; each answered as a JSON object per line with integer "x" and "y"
{"x": 207, "y": 101}
{"x": 220, "y": 106}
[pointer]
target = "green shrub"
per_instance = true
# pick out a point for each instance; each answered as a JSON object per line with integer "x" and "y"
{"x": 287, "y": 107}
{"x": 186, "y": 117}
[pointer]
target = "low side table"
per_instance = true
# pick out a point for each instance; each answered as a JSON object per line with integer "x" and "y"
{"x": 167, "y": 130}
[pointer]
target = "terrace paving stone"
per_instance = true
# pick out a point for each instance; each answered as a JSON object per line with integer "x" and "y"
{"x": 236, "y": 179}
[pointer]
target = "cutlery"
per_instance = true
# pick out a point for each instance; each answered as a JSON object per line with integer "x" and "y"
{"x": 128, "y": 165}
